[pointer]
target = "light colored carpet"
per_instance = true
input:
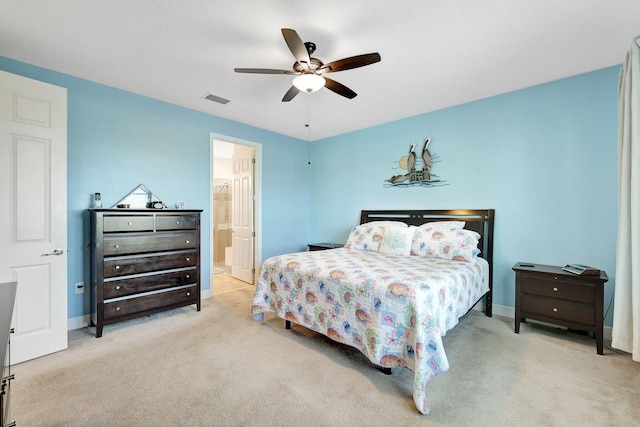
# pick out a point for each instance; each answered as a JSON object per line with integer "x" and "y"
{"x": 220, "y": 367}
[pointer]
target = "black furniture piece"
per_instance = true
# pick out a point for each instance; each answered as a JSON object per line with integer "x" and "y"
{"x": 7, "y": 301}
{"x": 549, "y": 294}
{"x": 143, "y": 261}
{"x": 324, "y": 246}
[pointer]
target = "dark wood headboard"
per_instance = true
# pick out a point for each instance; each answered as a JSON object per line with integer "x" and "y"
{"x": 478, "y": 220}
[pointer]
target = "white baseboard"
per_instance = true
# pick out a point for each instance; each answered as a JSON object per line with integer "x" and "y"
{"x": 510, "y": 312}
{"x": 84, "y": 321}
{"x": 78, "y": 322}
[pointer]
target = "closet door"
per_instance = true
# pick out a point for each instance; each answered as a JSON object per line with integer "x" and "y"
{"x": 33, "y": 212}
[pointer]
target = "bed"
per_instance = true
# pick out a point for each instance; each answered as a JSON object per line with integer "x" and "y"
{"x": 392, "y": 304}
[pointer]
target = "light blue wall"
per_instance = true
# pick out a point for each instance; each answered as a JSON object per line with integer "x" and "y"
{"x": 117, "y": 140}
{"x": 543, "y": 157}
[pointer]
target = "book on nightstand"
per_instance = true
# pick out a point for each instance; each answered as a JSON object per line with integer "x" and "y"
{"x": 581, "y": 270}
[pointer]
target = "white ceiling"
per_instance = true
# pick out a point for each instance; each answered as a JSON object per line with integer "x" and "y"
{"x": 435, "y": 53}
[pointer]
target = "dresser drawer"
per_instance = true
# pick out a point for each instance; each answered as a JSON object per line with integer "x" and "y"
{"x": 560, "y": 289}
{"x": 123, "y": 266}
{"x": 144, "y": 243}
{"x": 559, "y": 310}
{"x": 129, "y": 306}
{"x": 123, "y": 223}
{"x": 176, "y": 222}
{"x": 152, "y": 282}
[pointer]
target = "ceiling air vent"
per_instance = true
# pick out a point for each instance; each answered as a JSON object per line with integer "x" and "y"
{"x": 216, "y": 98}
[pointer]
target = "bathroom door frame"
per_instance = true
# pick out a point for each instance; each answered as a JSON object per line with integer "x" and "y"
{"x": 257, "y": 212}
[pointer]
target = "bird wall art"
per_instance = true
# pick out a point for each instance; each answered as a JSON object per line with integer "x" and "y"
{"x": 418, "y": 170}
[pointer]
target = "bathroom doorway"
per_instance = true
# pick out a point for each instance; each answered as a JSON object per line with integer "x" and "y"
{"x": 235, "y": 204}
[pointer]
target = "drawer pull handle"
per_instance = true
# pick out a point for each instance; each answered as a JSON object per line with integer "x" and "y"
{"x": 116, "y": 246}
{"x": 188, "y": 259}
{"x": 130, "y": 223}
{"x": 188, "y": 294}
{"x": 187, "y": 276}
{"x": 177, "y": 222}
{"x": 117, "y": 267}
{"x": 555, "y": 289}
{"x": 117, "y": 308}
{"x": 555, "y": 309}
{"x": 117, "y": 287}
{"x": 555, "y": 278}
{"x": 186, "y": 241}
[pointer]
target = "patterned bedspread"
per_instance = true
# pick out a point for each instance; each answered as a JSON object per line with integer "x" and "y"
{"x": 394, "y": 309}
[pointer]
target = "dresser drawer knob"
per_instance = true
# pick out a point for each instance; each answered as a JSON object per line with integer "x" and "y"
{"x": 116, "y": 246}
{"x": 555, "y": 289}
{"x": 177, "y": 222}
{"x": 117, "y": 287}
{"x": 117, "y": 308}
{"x": 555, "y": 278}
{"x": 188, "y": 294}
{"x": 187, "y": 276}
{"x": 555, "y": 309}
{"x": 186, "y": 241}
{"x": 130, "y": 223}
{"x": 117, "y": 267}
{"x": 188, "y": 259}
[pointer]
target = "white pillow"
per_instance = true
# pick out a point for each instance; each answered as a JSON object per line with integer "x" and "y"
{"x": 438, "y": 225}
{"x": 397, "y": 240}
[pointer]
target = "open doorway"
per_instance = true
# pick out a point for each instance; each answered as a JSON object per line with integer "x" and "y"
{"x": 235, "y": 203}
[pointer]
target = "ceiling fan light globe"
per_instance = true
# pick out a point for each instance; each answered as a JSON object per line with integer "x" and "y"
{"x": 309, "y": 82}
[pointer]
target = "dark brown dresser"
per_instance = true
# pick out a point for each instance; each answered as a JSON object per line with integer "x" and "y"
{"x": 7, "y": 300}
{"x": 143, "y": 261}
{"x": 549, "y": 294}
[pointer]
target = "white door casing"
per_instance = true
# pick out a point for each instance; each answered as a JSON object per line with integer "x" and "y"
{"x": 33, "y": 212}
{"x": 243, "y": 213}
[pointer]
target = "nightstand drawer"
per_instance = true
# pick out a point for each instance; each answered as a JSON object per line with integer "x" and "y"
{"x": 564, "y": 289}
{"x": 559, "y": 310}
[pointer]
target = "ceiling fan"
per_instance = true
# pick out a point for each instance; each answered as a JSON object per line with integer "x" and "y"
{"x": 311, "y": 71}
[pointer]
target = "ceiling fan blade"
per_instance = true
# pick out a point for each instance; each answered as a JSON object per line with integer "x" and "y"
{"x": 263, "y": 71}
{"x": 339, "y": 88}
{"x": 296, "y": 45}
{"x": 291, "y": 93}
{"x": 351, "y": 62}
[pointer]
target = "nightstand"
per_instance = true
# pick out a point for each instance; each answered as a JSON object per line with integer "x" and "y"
{"x": 323, "y": 246}
{"x": 549, "y": 294}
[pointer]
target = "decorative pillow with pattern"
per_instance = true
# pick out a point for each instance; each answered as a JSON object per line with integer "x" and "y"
{"x": 397, "y": 240}
{"x": 449, "y": 225}
{"x": 459, "y": 245}
{"x": 366, "y": 237}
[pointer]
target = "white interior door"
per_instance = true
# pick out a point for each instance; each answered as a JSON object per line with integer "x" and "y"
{"x": 242, "y": 213}
{"x": 33, "y": 212}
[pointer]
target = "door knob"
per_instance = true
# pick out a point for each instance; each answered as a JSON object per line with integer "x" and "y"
{"x": 55, "y": 252}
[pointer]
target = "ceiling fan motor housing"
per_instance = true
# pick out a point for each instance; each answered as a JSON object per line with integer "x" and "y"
{"x": 314, "y": 65}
